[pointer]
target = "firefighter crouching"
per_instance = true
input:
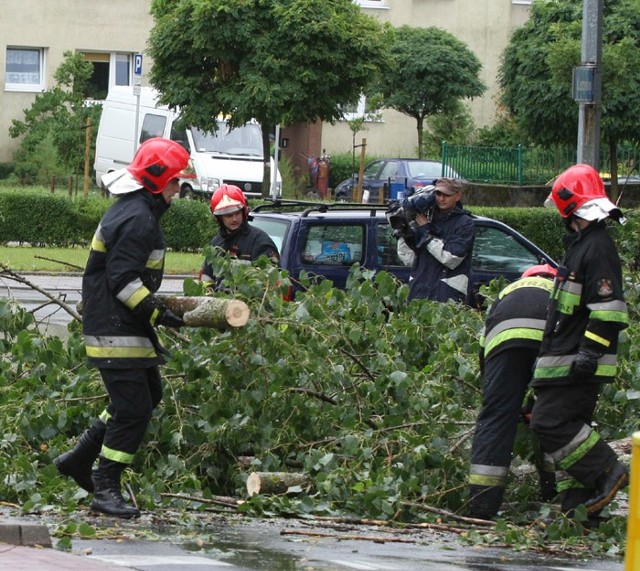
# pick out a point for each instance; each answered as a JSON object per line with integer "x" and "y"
{"x": 124, "y": 270}
{"x": 509, "y": 346}
{"x": 579, "y": 347}
{"x": 236, "y": 236}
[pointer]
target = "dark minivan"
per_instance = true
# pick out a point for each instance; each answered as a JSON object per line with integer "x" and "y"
{"x": 325, "y": 240}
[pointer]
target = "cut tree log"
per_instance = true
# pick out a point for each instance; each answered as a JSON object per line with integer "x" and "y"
{"x": 202, "y": 311}
{"x": 274, "y": 482}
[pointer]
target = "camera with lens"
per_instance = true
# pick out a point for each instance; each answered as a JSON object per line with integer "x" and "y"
{"x": 401, "y": 214}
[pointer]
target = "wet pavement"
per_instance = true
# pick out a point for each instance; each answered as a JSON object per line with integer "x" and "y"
{"x": 243, "y": 544}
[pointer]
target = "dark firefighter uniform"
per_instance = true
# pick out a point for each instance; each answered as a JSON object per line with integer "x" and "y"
{"x": 587, "y": 312}
{"x": 125, "y": 267}
{"x": 443, "y": 257}
{"x": 247, "y": 244}
{"x": 509, "y": 346}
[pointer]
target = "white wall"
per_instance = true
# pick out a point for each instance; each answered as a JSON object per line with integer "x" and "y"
{"x": 59, "y": 26}
{"x": 483, "y": 25}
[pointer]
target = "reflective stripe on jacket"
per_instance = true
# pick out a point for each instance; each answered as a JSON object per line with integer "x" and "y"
{"x": 590, "y": 310}
{"x": 517, "y": 317}
{"x": 125, "y": 265}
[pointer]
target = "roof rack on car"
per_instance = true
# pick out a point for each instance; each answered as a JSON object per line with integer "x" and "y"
{"x": 279, "y": 203}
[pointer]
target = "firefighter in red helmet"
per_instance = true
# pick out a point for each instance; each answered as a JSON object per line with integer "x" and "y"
{"x": 120, "y": 309}
{"x": 236, "y": 237}
{"x": 587, "y": 311}
{"x": 509, "y": 345}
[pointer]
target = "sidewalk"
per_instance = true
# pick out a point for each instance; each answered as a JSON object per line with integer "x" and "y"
{"x": 28, "y": 547}
{"x": 24, "y": 558}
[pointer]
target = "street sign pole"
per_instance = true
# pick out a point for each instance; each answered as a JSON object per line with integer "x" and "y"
{"x": 276, "y": 160}
{"x": 589, "y": 76}
{"x": 137, "y": 82}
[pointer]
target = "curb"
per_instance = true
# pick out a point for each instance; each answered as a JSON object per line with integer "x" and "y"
{"x": 24, "y": 534}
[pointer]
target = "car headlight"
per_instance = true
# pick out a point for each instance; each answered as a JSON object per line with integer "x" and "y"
{"x": 209, "y": 184}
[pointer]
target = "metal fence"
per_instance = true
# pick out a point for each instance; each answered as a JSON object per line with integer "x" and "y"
{"x": 523, "y": 165}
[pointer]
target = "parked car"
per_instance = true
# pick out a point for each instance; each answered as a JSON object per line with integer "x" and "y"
{"x": 382, "y": 173}
{"x": 325, "y": 240}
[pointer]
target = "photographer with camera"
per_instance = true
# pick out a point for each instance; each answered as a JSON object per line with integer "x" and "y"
{"x": 440, "y": 233}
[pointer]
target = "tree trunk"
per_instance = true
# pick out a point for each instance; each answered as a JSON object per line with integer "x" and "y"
{"x": 220, "y": 314}
{"x": 274, "y": 482}
{"x": 420, "y": 128}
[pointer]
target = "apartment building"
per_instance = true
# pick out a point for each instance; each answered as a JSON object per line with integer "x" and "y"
{"x": 35, "y": 34}
{"x": 483, "y": 25}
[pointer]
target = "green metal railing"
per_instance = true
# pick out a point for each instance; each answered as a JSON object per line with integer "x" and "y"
{"x": 523, "y": 165}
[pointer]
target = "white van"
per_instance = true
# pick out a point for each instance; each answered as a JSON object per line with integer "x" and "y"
{"x": 228, "y": 156}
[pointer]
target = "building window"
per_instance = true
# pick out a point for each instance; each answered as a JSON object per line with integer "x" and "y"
{"x": 24, "y": 69}
{"x": 360, "y": 110}
{"x": 371, "y": 3}
{"x": 108, "y": 69}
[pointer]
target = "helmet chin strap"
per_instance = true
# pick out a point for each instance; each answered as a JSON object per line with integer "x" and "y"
{"x": 575, "y": 224}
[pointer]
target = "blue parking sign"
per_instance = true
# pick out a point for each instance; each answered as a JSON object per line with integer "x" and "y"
{"x": 137, "y": 64}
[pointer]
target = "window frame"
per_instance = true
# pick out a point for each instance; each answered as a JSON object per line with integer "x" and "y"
{"x": 26, "y": 87}
{"x": 371, "y": 3}
{"x": 361, "y": 112}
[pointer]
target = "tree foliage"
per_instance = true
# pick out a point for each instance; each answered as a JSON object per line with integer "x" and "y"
{"x": 432, "y": 71}
{"x": 372, "y": 397}
{"x": 456, "y": 127}
{"x": 536, "y": 71}
{"x": 54, "y": 127}
{"x": 280, "y": 62}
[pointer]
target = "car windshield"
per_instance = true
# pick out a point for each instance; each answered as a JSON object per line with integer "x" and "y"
{"x": 245, "y": 140}
{"x": 428, "y": 169}
{"x": 274, "y": 228}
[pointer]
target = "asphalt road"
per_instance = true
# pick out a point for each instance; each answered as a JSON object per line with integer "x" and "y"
{"x": 236, "y": 543}
{"x": 66, "y": 288}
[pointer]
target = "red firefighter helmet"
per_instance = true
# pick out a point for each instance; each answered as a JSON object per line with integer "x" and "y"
{"x": 543, "y": 270}
{"x": 156, "y": 162}
{"x": 579, "y": 190}
{"x": 228, "y": 199}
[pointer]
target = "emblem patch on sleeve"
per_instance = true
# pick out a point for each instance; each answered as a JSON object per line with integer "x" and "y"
{"x": 605, "y": 289}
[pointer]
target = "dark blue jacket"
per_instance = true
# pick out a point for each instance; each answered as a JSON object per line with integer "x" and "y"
{"x": 443, "y": 248}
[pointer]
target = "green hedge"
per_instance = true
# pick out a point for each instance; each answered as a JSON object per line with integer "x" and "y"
{"x": 41, "y": 218}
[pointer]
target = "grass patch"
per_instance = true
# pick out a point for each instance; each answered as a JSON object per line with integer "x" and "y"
{"x": 26, "y": 259}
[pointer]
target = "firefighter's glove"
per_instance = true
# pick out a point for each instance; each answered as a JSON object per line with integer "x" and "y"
{"x": 585, "y": 365}
{"x": 169, "y": 319}
{"x": 153, "y": 311}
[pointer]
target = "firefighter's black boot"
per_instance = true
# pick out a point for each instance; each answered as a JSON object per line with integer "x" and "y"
{"x": 107, "y": 497}
{"x": 78, "y": 462}
{"x": 607, "y": 486}
{"x": 484, "y": 501}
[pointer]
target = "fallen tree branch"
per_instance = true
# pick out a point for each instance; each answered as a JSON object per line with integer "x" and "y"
{"x": 275, "y": 482}
{"x": 374, "y": 539}
{"x": 450, "y": 515}
{"x": 203, "y": 311}
{"x": 315, "y": 394}
{"x": 218, "y": 500}
{"x": 398, "y": 527}
{"x": 68, "y": 264}
{"x": 10, "y": 274}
